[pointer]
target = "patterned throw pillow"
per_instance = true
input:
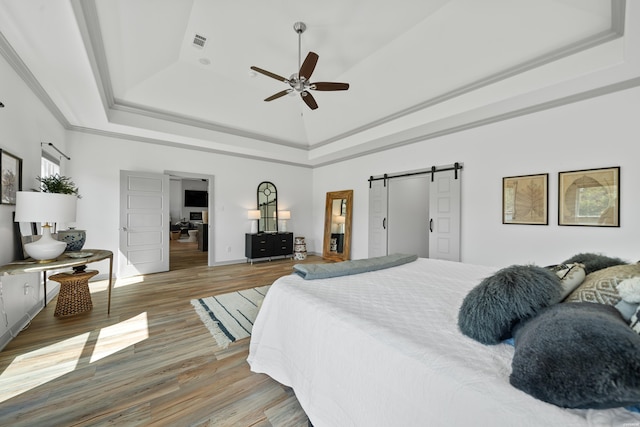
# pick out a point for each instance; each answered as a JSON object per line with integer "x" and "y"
{"x": 601, "y": 286}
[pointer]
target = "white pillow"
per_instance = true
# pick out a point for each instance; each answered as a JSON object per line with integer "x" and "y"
{"x": 571, "y": 276}
{"x": 629, "y": 289}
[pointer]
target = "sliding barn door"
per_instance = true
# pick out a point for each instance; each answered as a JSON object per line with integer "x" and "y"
{"x": 444, "y": 208}
{"x": 144, "y": 223}
{"x": 378, "y": 218}
{"x": 417, "y": 213}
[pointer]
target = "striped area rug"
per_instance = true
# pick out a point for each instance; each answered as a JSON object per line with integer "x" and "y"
{"x": 229, "y": 317}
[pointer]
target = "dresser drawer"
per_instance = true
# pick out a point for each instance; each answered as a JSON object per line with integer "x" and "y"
{"x": 264, "y": 245}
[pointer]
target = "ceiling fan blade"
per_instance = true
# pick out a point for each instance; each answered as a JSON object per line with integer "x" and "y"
{"x": 309, "y": 100}
{"x": 308, "y": 65}
{"x": 329, "y": 86}
{"x": 278, "y": 95}
{"x": 270, "y": 74}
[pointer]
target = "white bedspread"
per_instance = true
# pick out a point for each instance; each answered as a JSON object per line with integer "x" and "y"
{"x": 383, "y": 349}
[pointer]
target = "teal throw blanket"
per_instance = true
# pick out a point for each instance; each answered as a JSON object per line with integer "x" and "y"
{"x": 345, "y": 268}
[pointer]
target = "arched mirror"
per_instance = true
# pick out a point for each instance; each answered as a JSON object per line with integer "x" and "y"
{"x": 337, "y": 225}
{"x": 268, "y": 207}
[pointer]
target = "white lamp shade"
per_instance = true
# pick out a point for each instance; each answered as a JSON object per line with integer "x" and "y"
{"x": 284, "y": 214}
{"x": 255, "y": 214}
{"x": 34, "y": 206}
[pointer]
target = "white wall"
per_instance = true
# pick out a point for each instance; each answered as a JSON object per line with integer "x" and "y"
{"x": 97, "y": 161}
{"x": 596, "y": 133}
{"x": 24, "y": 123}
{"x": 175, "y": 199}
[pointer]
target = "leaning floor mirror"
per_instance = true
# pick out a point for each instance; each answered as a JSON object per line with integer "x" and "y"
{"x": 337, "y": 225}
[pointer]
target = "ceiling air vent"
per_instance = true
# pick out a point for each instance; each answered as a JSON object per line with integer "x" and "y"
{"x": 199, "y": 41}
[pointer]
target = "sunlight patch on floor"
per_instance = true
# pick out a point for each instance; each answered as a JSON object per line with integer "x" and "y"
{"x": 30, "y": 370}
{"x": 37, "y": 367}
{"x": 103, "y": 285}
{"x": 128, "y": 281}
{"x": 120, "y": 336}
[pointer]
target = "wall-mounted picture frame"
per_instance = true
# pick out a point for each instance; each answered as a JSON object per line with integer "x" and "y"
{"x": 525, "y": 199}
{"x": 10, "y": 177}
{"x": 589, "y": 197}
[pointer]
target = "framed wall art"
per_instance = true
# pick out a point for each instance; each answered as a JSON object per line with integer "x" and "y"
{"x": 525, "y": 199}
{"x": 589, "y": 197}
{"x": 10, "y": 177}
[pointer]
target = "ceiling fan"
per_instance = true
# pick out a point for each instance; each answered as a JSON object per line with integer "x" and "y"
{"x": 299, "y": 81}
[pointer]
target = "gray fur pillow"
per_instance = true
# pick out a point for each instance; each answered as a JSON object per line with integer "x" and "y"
{"x": 578, "y": 355}
{"x": 491, "y": 309}
{"x": 594, "y": 262}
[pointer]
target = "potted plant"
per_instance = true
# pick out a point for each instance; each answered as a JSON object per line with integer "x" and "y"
{"x": 64, "y": 185}
{"x": 58, "y": 184}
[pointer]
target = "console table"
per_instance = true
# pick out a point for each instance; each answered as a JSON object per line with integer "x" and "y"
{"x": 268, "y": 245}
{"x": 63, "y": 261}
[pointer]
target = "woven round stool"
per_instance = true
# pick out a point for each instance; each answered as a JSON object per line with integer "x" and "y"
{"x": 74, "y": 297}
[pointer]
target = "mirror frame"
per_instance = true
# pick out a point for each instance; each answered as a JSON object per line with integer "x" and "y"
{"x": 328, "y": 215}
{"x": 263, "y": 218}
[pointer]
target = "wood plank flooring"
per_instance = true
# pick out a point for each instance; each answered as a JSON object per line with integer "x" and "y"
{"x": 151, "y": 362}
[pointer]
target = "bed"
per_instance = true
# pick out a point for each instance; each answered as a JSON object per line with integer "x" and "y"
{"x": 382, "y": 348}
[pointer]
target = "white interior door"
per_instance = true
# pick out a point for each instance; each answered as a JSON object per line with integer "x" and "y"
{"x": 444, "y": 224}
{"x": 144, "y": 223}
{"x": 378, "y": 218}
{"x": 408, "y": 225}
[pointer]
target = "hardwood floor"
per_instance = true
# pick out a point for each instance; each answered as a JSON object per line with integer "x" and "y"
{"x": 151, "y": 362}
{"x": 186, "y": 255}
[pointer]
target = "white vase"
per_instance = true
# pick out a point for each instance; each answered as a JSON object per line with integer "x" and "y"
{"x": 46, "y": 248}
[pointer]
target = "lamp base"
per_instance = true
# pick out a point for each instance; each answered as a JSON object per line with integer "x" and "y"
{"x": 254, "y": 226}
{"x": 46, "y": 248}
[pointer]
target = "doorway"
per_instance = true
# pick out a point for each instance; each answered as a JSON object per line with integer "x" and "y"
{"x": 191, "y": 207}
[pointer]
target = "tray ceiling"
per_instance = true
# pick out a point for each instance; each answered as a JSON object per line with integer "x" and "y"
{"x": 131, "y": 68}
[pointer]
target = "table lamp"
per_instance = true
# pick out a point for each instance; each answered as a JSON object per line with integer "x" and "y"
{"x": 254, "y": 216}
{"x": 45, "y": 208}
{"x": 283, "y": 216}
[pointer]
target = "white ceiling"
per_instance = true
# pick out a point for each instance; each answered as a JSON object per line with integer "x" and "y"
{"x": 416, "y": 68}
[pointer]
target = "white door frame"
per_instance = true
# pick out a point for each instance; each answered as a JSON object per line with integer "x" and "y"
{"x": 210, "y": 189}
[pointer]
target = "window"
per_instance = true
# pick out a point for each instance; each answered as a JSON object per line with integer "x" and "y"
{"x": 49, "y": 165}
